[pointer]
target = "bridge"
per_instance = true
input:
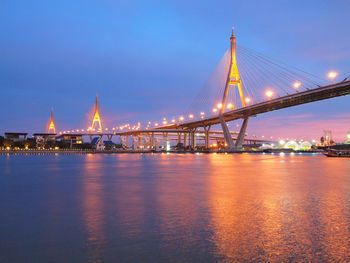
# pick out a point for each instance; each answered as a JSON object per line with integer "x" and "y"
{"x": 249, "y": 84}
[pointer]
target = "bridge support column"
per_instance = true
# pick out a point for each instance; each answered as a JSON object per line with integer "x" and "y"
{"x": 227, "y": 134}
{"x": 206, "y": 136}
{"x": 140, "y": 141}
{"x": 179, "y": 138}
{"x": 193, "y": 139}
{"x": 165, "y": 140}
{"x": 109, "y": 136}
{"x": 134, "y": 144}
{"x": 185, "y": 140}
{"x": 127, "y": 141}
{"x": 240, "y": 138}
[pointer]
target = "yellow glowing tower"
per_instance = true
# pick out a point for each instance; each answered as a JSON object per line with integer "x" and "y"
{"x": 233, "y": 78}
{"x": 51, "y": 125}
{"x": 96, "y": 118}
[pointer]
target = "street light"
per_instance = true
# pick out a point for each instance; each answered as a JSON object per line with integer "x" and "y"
{"x": 269, "y": 93}
{"x": 332, "y": 75}
{"x": 230, "y": 106}
{"x": 181, "y": 118}
{"x": 297, "y": 84}
{"x": 215, "y": 110}
{"x": 190, "y": 116}
{"x": 219, "y": 105}
{"x": 247, "y": 100}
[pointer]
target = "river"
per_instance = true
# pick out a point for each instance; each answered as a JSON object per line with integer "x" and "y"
{"x": 174, "y": 208}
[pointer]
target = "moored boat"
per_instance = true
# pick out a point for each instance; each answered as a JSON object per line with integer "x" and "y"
{"x": 337, "y": 153}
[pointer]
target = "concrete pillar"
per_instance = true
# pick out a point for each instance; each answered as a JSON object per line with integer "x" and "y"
{"x": 165, "y": 140}
{"x": 134, "y": 144}
{"x": 240, "y": 138}
{"x": 140, "y": 141}
{"x": 193, "y": 138}
{"x": 185, "y": 140}
{"x": 227, "y": 134}
{"x": 206, "y": 136}
{"x": 178, "y": 137}
{"x": 127, "y": 141}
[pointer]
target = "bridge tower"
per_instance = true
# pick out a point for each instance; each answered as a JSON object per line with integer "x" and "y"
{"x": 96, "y": 118}
{"x": 233, "y": 80}
{"x": 51, "y": 125}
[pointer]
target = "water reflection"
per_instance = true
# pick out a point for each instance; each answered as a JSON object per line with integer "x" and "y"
{"x": 93, "y": 207}
{"x": 279, "y": 212}
{"x": 175, "y": 208}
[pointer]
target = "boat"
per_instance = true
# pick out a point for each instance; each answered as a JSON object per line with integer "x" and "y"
{"x": 337, "y": 153}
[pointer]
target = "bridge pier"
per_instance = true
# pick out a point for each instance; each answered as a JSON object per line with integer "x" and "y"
{"x": 206, "y": 136}
{"x": 193, "y": 138}
{"x": 178, "y": 137}
{"x": 241, "y": 135}
{"x": 140, "y": 141}
{"x": 227, "y": 134}
{"x": 185, "y": 140}
{"x": 165, "y": 140}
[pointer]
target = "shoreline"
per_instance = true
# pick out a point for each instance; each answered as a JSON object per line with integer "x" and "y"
{"x": 71, "y": 151}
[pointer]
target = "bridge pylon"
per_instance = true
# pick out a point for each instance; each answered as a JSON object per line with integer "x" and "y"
{"x": 233, "y": 80}
{"x": 96, "y": 119}
{"x": 51, "y": 127}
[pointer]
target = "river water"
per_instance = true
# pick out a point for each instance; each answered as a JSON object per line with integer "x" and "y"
{"x": 174, "y": 208}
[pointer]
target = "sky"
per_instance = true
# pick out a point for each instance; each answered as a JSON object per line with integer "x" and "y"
{"x": 149, "y": 59}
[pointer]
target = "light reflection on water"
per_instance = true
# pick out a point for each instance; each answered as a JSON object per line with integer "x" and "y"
{"x": 173, "y": 208}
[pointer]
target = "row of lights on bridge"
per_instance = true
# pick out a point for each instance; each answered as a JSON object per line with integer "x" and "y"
{"x": 269, "y": 93}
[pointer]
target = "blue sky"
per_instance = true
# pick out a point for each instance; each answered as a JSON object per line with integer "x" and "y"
{"x": 149, "y": 59}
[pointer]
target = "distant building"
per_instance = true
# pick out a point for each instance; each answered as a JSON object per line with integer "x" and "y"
{"x": 45, "y": 136}
{"x": 16, "y": 136}
{"x": 72, "y": 139}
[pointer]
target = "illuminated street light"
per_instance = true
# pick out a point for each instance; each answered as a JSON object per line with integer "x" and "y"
{"x": 173, "y": 120}
{"x": 230, "y": 106}
{"x": 297, "y": 84}
{"x": 282, "y": 142}
{"x": 269, "y": 93}
{"x": 181, "y": 118}
{"x": 332, "y": 75}
{"x": 165, "y": 122}
{"x": 190, "y": 116}
{"x": 247, "y": 100}
{"x": 202, "y": 113}
{"x": 215, "y": 110}
{"x": 219, "y": 106}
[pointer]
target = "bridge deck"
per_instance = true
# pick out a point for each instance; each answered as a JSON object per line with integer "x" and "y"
{"x": 303, "y": 97}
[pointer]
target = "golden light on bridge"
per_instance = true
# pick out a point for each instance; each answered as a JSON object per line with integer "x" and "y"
{"x": 247, "y": 100}
{"x": 181, "y": 118}
{"x": 332, "y": 75}
{"x": 190, "y": 116}
{"x": 165, "y": 122}
{"x": 297, "y": 84}
{"x": 269, "y": 93}
{"x": 215, "y": 110}
{"x": 230, "y": 106}
{"x": 219, "y": 106}
{"x": 202, "y": 113}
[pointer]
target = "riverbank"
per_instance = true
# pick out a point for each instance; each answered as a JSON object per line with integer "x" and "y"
{"x": 91, "y": 151}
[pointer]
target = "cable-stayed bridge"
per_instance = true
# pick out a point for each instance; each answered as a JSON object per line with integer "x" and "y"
{"x": 244, "y": 84}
